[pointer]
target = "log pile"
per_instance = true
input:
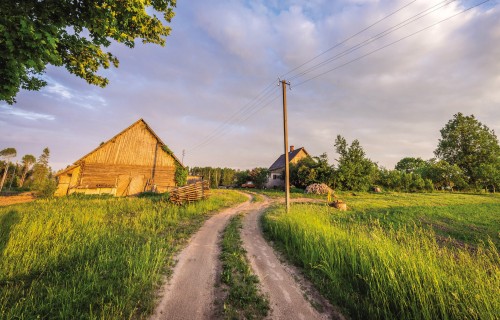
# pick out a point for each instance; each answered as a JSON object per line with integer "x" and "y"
{"x": 190, "y": 193}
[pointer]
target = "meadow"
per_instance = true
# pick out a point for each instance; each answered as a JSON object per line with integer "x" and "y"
{"x": 398, "y": 256}
{"x": 89, "y": 258}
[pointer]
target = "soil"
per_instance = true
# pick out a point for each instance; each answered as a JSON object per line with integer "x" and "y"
{"x": 18, "y": 198}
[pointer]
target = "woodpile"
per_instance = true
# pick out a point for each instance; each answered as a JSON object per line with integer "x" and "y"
{"x": 319, "y": 188}
{"x": 190, "y": 193}
{"x": 339, "y": 204}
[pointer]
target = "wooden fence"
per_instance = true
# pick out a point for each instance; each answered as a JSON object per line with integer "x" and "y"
{"x": 190, "y": 193}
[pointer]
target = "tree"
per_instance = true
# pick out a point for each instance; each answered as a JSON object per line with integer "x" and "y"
{"x": 469, "y": 144}
{"x": 444, "y": 175}
{"x": 410, "y": 164}
{"x": 72, "y": 34}
{"x": 259, "y": 176}
{"x": 489, "y": 175}
{"x": 7, "y": 154}
{"x": 41, "y": 178}
{"x": 311, "y": 170}
{"x": 28, "y": 161}
{"x": 355, "y": 171}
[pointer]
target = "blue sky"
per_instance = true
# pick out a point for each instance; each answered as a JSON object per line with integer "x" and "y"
{"x": 222, "y": 54}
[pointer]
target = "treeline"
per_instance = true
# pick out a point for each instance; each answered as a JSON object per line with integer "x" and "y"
{"x": 29, "y": 174}
{"x": 227, "y": 177}
{"x": 467, "y": 158}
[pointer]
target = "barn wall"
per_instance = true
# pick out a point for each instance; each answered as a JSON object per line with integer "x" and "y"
{"x": 105, "y": 175}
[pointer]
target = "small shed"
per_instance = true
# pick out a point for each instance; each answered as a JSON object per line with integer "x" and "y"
{"x": 133, "y": 161}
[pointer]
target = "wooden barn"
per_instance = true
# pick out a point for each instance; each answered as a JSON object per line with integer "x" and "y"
{"x": 133, "y": 161}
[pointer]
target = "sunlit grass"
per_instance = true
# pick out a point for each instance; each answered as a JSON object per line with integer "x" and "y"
{"x": 388, "y": 262}
{"x": 77, "y": 258}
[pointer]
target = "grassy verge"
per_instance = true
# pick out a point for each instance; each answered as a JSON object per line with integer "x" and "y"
{"x": 77, "y": 258}
{"x": 243, "y": 299}
{"x": 389, "y": 263}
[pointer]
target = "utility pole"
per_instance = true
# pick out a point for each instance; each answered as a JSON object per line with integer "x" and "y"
{"x": 285, "y": 134}
{"x": 183, "y": 154}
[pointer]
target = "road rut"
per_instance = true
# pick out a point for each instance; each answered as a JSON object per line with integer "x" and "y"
{"x": 285, "y": 294}
{"x": 189, "y": 294}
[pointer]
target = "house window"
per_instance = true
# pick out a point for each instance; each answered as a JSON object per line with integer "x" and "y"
{"x": 274, "y": 177}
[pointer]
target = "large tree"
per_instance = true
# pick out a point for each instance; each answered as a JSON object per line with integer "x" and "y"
{"x": 469, "y": 144}
{"x": 72, "y": 33}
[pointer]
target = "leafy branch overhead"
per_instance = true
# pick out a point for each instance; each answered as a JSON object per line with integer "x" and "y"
{"x": 72, "y": 34}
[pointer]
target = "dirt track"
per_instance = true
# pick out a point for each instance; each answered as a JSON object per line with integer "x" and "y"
{"x": 190, "y": 293}
{"x": 18, "y": 198}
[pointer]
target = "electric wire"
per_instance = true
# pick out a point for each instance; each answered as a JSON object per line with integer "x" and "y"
{"x": 378, "y": 36}
{"x": 349, "y": 38}
{"x": 392, "y": 43}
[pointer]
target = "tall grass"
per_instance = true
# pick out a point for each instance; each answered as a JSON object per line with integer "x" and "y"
{"x": 381, "y": 272}
{"x": 77, "y": 258}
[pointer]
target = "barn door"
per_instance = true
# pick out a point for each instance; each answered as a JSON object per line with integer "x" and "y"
{"x": 122, "y": 185}
{"x": 136, "y": 185}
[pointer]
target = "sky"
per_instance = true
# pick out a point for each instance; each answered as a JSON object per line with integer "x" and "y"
{"x": 213, "y": 89}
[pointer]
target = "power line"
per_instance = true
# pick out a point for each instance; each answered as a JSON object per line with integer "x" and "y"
{"x": 392, "y": 43}
{"x": 376, "y": 37}
{"x": 349, "y": 38}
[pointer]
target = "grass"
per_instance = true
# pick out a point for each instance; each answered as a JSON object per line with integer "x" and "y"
{"x": 89, "y": 258}
{"x": 399, "y": 256}
{"x": 243, "y": 299}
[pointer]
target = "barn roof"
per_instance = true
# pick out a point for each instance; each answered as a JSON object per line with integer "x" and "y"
{"x": 75, "y": 164}
{"x": 280, "y": 162}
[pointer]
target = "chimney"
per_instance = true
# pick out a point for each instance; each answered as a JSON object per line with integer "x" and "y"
{"x": 292, "y": 148}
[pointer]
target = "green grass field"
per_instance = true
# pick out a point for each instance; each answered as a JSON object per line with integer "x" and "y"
{"x": 399, "y": 256}
{"x": 89, "y": 258}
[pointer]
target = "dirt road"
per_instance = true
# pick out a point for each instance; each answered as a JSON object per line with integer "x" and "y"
{"x": 286, "y": 295}
{"x": 190, "y": 292}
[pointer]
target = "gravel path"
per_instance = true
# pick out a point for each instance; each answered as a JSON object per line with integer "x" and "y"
{"x": 278, "y": 280}
{"x": 190, "y": 292}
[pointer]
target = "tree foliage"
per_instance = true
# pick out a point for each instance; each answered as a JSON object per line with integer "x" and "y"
{"x": 259, "y": 176}
{"x": 72, "y": 34}
{"x": 355, "y": 171}
{"x": 28, "y": 161}
{"x": 410, "y": 164}
{"x": 311, "y": 170}
{"x": 7, "y": 154}
{"x": 469, "y": 144}
{"x": 42, "y": 180}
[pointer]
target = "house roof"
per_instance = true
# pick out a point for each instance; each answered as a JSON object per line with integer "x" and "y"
{"x": 280, "y": 162}
{"x": 75, "y": 164}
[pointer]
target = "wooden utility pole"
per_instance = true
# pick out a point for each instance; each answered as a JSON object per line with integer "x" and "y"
{"x": 285, "y": 134}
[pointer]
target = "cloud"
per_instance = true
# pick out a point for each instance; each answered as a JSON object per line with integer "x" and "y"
{"x": 221, "y": 55}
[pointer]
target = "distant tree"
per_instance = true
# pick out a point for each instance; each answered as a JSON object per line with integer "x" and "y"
{"x": 228, "y": 177}
{"x": 355, "y": 171}
{"x": 72, "y": 34}
{"x": 444, "y": 175}
{"x": 311, "y": 170}
{"x": 6, "y": 154}
{"x": 410, "y": 164}
{"x": 259, "y": 176}
{"x": 242, "y": 177}
{"x": 489, "y": 175}
{"x": 469, "y": 144}
{"x": 28, "y": 161}
{"x": 41, "y": 179}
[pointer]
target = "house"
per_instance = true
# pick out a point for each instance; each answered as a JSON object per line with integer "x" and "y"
{"x": 133, "y": 161}
{"x": 276, "y": 170}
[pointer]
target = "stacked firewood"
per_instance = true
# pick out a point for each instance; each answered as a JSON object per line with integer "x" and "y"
{"x": 190, "y": 193}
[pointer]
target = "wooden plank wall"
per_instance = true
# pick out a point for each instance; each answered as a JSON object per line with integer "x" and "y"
{"x": 105, "y": 175}
{"x": 136, "y": 146}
